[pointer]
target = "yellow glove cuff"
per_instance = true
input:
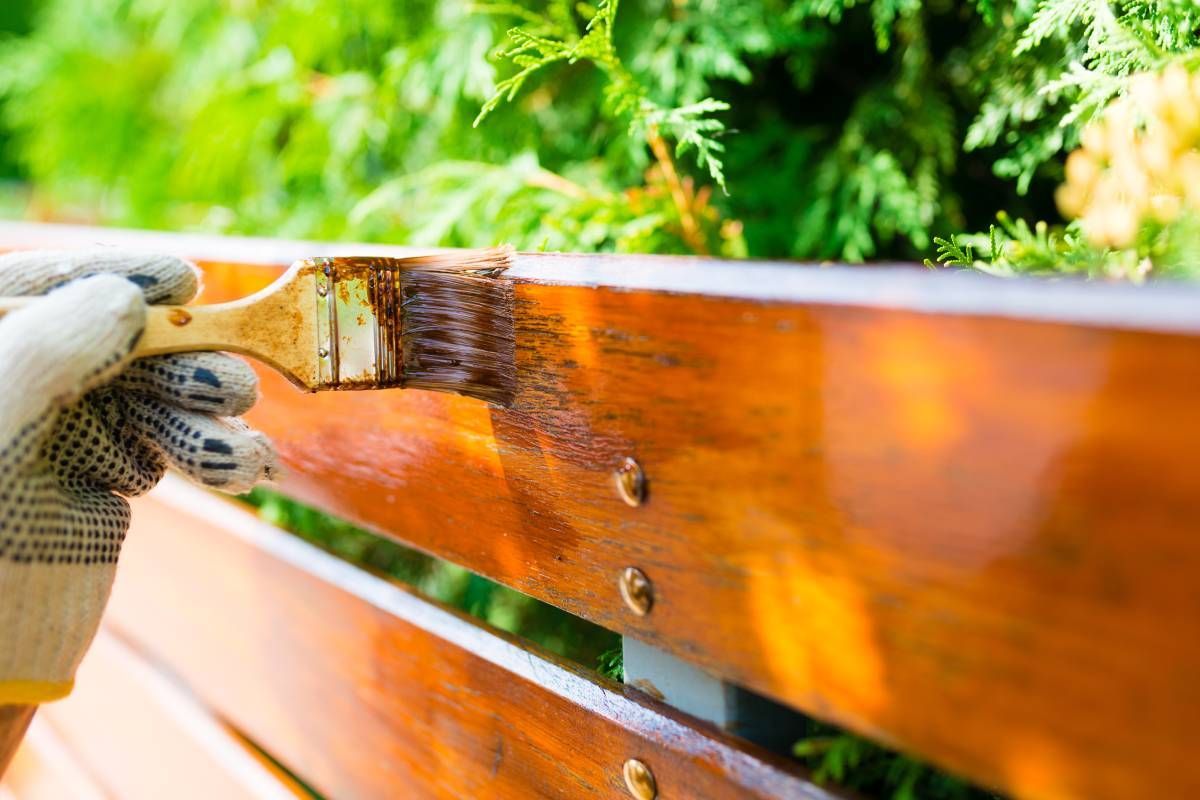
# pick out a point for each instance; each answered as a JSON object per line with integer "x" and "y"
{"x": 33, "y": 693}
{"x": 48, "y": 616}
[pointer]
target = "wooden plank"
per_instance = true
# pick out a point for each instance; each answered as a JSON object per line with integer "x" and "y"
{"x": 890, "y": 496}
{"x": 144, "y": 738}
{"x": 45, "y": 768}
{"x": 365, "y": 690}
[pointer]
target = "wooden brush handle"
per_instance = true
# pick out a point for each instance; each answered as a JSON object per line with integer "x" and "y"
{"x": 179, "y": 329}
{"x": 276, "y": 326}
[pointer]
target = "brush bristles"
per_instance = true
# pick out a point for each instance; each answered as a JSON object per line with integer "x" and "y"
{"x": 456, "y": 325}
{"x": 490, "y": 262}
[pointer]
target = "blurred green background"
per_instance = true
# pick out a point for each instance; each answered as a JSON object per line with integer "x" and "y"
{"x": 842, "y": 130}
{"x": 812, "y": 129}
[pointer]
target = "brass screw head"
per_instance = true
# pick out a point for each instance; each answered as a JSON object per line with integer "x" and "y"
{"x": 631, "y": 482}
{"x": 639, "y": 780}
{"x": 636, "y": 591}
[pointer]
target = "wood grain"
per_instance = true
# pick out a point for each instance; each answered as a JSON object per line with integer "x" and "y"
{"x": 962, "y": 535}
{"x": 923, "y": 506}
{"x": 365, "y": 690}
{"x": 143, "y": 737}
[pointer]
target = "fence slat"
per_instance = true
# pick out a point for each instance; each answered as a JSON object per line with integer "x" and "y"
{"x": 956, "y": 514}
{"x": 365, "y": 690}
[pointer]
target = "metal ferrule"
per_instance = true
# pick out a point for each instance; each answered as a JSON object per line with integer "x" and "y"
{"x": 354, "y": 346}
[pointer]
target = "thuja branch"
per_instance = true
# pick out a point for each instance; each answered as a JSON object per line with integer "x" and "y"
{"x": 681, "y": 195}
{"x": 546, "y": 41}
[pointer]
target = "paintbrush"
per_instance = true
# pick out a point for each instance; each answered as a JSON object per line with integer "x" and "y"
{"x": 442, "y": 322}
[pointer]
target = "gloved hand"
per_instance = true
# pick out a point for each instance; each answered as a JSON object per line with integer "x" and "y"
{"x": 82, "y": 428}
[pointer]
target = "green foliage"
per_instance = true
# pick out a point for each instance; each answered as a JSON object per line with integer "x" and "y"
{"x": 556, "y": 40}
{"x": 883, "y": 179}
{"x": 1047, "y": 71}
{"x": 1012, "y": 247}
{"x": 858, "y": 764}
{"x": 612, "y": 664}
{"x": 539, "y": 123}
{"x": 252, "y": 116}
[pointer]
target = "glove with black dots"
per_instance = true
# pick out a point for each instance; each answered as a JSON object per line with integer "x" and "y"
{"x": 82, "y": 427}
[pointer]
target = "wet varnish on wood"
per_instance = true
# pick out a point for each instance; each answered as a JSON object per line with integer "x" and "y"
{"x": 970, "y": 536}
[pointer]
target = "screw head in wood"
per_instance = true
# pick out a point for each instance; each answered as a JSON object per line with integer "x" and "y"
{"x": 631, "y": 482}
{"x": 639, "y": 780}
{"x": 323, "y": 352}
{"x": 636, "y": 591}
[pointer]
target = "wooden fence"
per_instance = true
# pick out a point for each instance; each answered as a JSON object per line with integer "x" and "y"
{"x": 953, "y": 513}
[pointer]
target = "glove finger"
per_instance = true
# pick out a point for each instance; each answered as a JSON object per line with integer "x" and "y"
{"x": 91, "y": 448}
{"x": 57, "y": 348}
{"x": 210, "y": 383}
{"x": 219, "y": 452}
{"x": 162, "y": 278}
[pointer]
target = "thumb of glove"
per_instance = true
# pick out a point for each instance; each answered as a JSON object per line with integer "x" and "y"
{"x": 63, "y": 345}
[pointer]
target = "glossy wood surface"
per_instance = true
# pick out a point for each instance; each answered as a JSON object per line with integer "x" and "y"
{"x": 142, "y": 736}
{"x": 970, "y": 534}
{"x": 973, "y": 537}
{"x": 365, "y": 690}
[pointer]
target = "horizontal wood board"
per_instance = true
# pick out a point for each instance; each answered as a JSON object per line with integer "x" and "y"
{"x": 365, "y": 690}
{"x": 971, "y": 534}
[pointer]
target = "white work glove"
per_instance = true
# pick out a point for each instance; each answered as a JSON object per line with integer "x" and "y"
{"x": 82, "y": 428}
